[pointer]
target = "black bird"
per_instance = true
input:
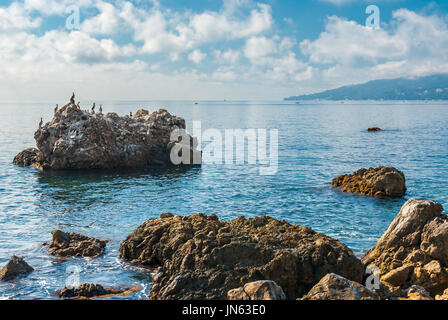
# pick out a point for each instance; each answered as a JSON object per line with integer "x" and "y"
{"x": 93, "y": 108}
{"x": 72, "y": 99}
{"x": 41, "y": 123}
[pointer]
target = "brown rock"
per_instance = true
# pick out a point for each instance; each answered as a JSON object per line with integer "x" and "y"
{"x": 334, "y": 287}
{"x": 374, "y": 129}
{"x": 382, "y": 182}
{"x": 237, "y": 294}
{"x": 77, "y": 139}
{"x": 399, "y": 276}
{"x": 27, "y": 157}
{"x": 412, "y": 250}
{"x": 73, "y": 244}
{"x": 87, "y": 290}
{"x": 257, "y": 290}
{"x": 443, "y": 296}
{"x": 204, "y": 258}
{"x": 14, "y": 268}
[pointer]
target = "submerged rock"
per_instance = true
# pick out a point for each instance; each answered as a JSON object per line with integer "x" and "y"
{"x": 87, "y": 290}
{"x": 258, "y": 290}
{"x": 201, "y": 257}
{"x": 73, "y": 244}
{"x": 382, "y": 182}
{"x": 413, "y": 250}
{"x": 77, "y": 139}
{"x": 14, "y": 268}
{"x": 335, "y": 287}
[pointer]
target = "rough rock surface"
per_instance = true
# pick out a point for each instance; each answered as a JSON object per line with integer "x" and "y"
{"x": 77, "y": 139}
{"x": 27, "y": 157}
{"x": 335, "y": 287}
{"x": 86, "y": 290}
{"x": 73, "y": 244}
{"x": 203, "y": 258}
{"x": 413, "y": 250}
{"x": 257, "y": 290}
{"x": 382, "y": 182}
{"x": 14, "y": 268}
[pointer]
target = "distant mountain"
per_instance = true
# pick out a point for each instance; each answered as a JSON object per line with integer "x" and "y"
{"x": 426, "y": 88}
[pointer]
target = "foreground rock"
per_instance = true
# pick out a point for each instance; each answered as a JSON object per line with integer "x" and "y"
{"x": 27, "y": 157}
{"x": 201, "y": 257}
{"x": 414, "y": 250}
{"x": 382, "y": 182}
{"x": 258, "y": 290}
{"x": 72, "y": 244}
{"x": 14, "y": 268}
{"x": 77, "y": 139}
{"x": 334, "y": 287}
{"x": 87, "y": 290}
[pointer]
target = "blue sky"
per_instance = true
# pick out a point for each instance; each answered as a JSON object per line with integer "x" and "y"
{"x": 203, "y": 49}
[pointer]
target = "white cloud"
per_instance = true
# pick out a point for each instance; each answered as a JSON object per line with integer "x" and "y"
{"x": 15, "y": 17}
{"x": 197, "y": 56}
{"x": 258, "y": 47}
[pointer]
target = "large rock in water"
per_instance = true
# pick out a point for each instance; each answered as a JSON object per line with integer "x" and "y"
{"x": 201, "y": 257}
{"x": 382, "y": 182}
{"x": 14, "y": 268}
{"x": 414, "y": 249}
{"x": 72, "y": 244}
{"x": 335, "y": 287}
{"x": 77, "y": 139}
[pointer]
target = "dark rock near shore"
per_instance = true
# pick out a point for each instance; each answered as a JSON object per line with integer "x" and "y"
{"x": 374, "y": 129}
{"x": 27, "y": 157}
{"x": 201, "y": 257}
{"x": 87, "y": 290}
{"x": 413, "y": 250}
{"x": 382, "y": 182}
{"x": 73, "y": 244}
{"x": 335, "y": 287}
{"x": 14, "y": 268}
{"x": 77, "y": 139}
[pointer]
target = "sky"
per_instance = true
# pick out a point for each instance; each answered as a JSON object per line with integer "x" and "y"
{"x": 212, "y": 49}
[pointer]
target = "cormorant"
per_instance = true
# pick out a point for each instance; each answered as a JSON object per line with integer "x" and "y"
{"x": 41, "y": 123}
{"x": 72, "y": 99}
{"x": 93, "y": 108}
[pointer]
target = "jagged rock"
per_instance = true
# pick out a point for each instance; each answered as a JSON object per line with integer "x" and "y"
{"x": 73, "y": 244}
{"x": 382, "y": 182}
{"x": 77, "y": 139}
{"x": 14, "y": 268}
{"x": 412, "y": 250}
{"x": 417, "y": 293}
{"x": 87, "y": 290}
{"x": 443, "y": 296}
{"x": 27, "y": 157}
{"x": 335, "y": 287}
{"x": 374, "y": 129}
{"x": 398, "y": 276}
{"x": 257, "y": 290}
{"x": 201, "y": 257}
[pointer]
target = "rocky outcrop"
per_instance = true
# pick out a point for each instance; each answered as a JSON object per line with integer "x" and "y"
{"x": 413, "y": 250}
{"x": 201, "y": 257}
{"x": 374, "y": 129}
{"x": 72, "y": 244}
{"x": 87, "y": 290}
{"x": 27, "y": 157}
{"x": 14, "y": 268}
{"x": 382, "y": 182}
{"x": 257, "y": 290}
{"x": 335, "y": 287}
{"x": 77, "y": 139}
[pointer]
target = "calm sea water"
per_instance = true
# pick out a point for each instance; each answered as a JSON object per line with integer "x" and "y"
{"x": 316, "y": 143}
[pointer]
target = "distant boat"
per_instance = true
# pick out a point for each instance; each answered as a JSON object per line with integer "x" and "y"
{"x": 196, "y": 103}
